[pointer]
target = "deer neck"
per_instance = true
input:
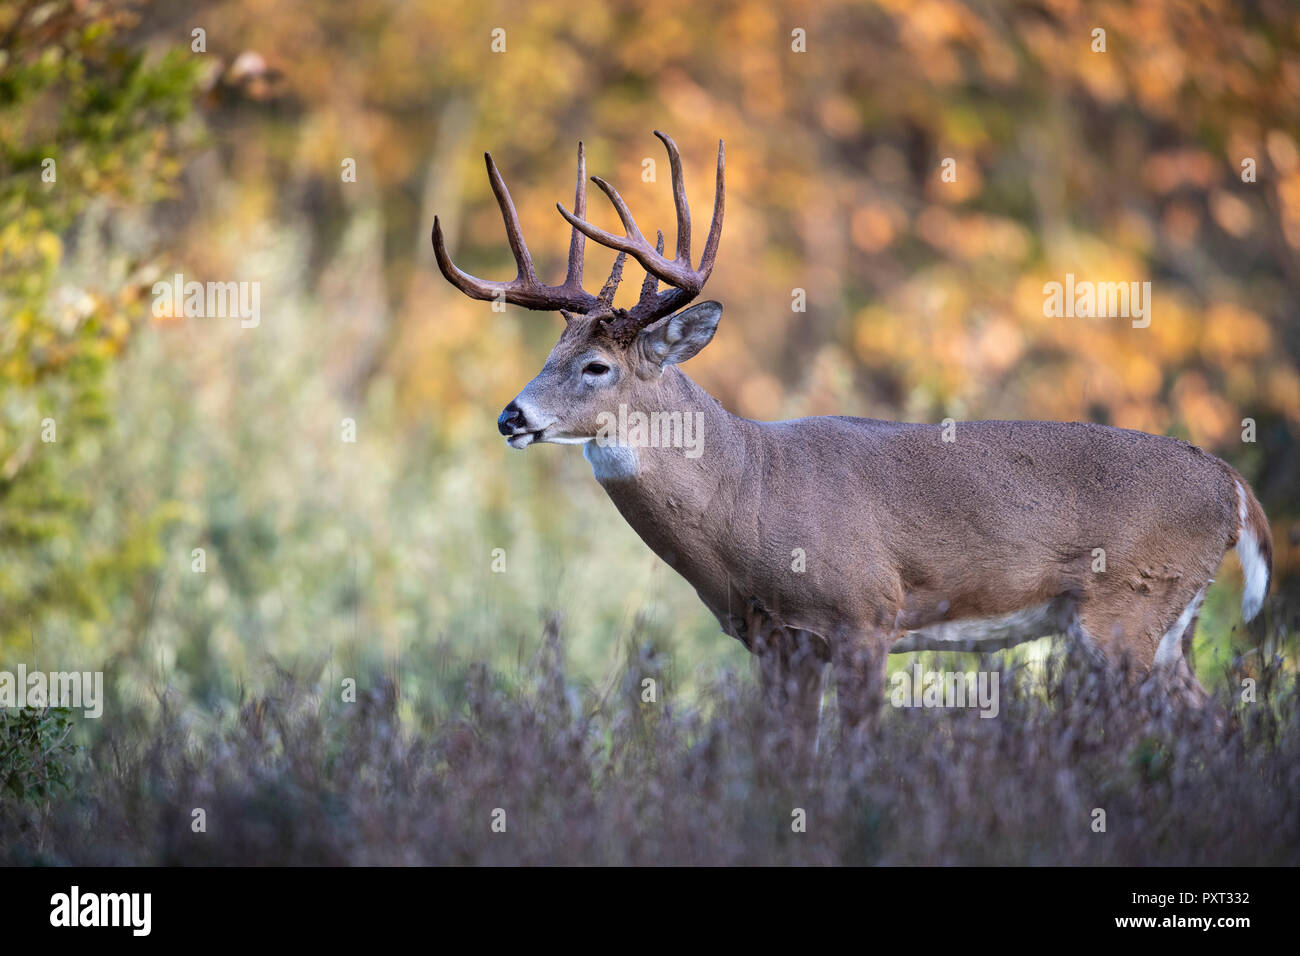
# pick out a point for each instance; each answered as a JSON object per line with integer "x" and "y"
{"x": 670, "y": 468}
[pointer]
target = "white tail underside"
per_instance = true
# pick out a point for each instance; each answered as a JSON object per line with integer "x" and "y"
{"x": 1253, "y": 568}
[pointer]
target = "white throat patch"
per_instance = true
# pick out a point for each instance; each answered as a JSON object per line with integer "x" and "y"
{"x": 611, "y": 462}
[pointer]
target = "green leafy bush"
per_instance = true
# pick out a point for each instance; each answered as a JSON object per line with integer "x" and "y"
{"x": 35, "y": 753}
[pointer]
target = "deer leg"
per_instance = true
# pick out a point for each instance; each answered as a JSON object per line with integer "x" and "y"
{"x": 1192, "y": 688}
{"x": 791, "y": 666}
{"x": 859, "y": 658}
{"x": 1184, "y": 681}
{"x": 1162, "y": 656}
{"x": 1147, "y": 627}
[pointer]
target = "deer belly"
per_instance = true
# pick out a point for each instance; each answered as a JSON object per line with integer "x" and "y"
{"x": 984, "y": 633}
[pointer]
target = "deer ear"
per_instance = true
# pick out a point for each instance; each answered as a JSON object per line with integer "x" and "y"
{"x": 676, "y": 338}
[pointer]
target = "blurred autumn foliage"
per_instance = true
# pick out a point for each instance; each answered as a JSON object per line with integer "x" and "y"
{"x": 86, "y": 126}
{"x": 924, "y": 297}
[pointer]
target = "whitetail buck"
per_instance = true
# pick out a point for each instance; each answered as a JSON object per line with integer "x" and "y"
{"x": 910, "y": 541}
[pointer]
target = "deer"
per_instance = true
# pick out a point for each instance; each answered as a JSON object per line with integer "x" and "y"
{"x": 972, "y": 536}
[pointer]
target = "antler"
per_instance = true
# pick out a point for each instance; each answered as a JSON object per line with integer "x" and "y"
{"x": 527, "y": 290}
{"x": 676, "y": 272}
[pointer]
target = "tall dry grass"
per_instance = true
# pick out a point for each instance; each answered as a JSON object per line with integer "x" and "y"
{"x": 592, "y": 775}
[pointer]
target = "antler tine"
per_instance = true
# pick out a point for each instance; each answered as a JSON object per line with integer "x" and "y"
{"x": 514, "y": 233}
{"x": 650, "y": 287}
{"x": 679, "y": 198}
{"x": 611, "y": 284}
{"x": 524, "y": 289}
{"x": 719, "y": 209}
{"x": 577, "y": 241}
{"x": 677, "y": 272}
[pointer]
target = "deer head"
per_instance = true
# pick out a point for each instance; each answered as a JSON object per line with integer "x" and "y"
{"x": 606, "y": 356}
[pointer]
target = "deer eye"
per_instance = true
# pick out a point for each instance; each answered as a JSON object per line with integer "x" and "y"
{"x": 595, "y": 368}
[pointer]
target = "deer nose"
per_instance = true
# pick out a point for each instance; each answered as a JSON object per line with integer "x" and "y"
{"x": 511, "y": 420}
